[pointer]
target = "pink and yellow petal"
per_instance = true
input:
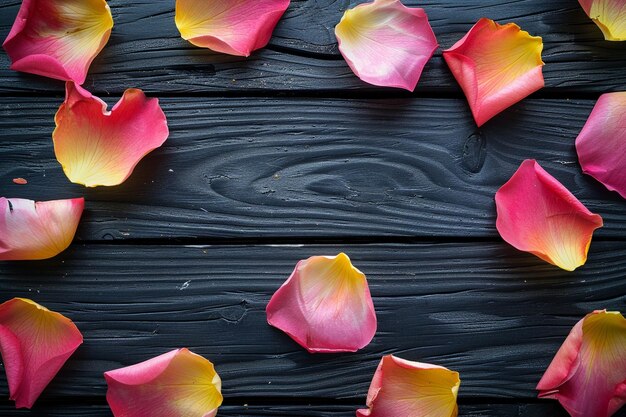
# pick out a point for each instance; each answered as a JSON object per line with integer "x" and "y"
{"x": 32, "y": 230}
{"x": 386, "y": 43}
{"x": 35, "y": 343}
{"x": 97, "y": 147}
{"x": 537, "y": 214}
{"x": 609, "y": 15}
{"x": 235, "y": 27}
{"x": 178, "y": 383}
{"x": 325, "y": 306}
{"x": 601, "y": 145}
{"x": 496, "y": 66}
{"x": 402, "y": 388}
{"x": 588, "y": 374}
{"x": 58, "y": 38}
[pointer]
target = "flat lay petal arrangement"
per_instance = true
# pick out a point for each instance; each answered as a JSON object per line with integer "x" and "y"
{"x": 325, "y": 305}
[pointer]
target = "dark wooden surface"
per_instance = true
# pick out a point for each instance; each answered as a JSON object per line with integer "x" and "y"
{"x": 145, "y": 50}
{"x": 303, "y": 167}
{"x": 285, "y": 155}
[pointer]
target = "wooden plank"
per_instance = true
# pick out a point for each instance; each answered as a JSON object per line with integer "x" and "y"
{"x": 146, "y": 51}
{"x": 495, "y": 315}
{"x": 545, "y": 409}
{"x": 293, "y": 167}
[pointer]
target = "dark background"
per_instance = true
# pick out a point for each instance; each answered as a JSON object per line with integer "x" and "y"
{"x": 286, "y": 155}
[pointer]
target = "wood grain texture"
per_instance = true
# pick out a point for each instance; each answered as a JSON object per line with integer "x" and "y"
{"x": 146, "y": 51}
{"x": 289, "y": 146}
{"x": 495, "y": 315}
{"x": 545, "y": 409}
{"x": 249, "y": 168}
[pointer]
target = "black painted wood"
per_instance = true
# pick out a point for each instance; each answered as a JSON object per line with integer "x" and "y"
{"x": 289, "y": 146}
{"x": 544, "y": 409}
{"x": 495, "y": 315}
{"x": 290, "y": 167}
{"x": 146, "y": 51}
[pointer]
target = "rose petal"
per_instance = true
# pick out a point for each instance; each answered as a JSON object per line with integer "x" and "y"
{"x": 601, "y": 145}
{"x": 20, "y": 181}
{"x": 537, "y": 214}
{"x": 386, "y": 43}
{"x": 235, "y": 27}
{"x": 58, "y": 38}
{"x": 97, "y": 147}
{"x": 179, "y": 383}
{"x": 588, "y": 374}
{"x": 325, "y": 306}
{"x": 35, "y": 343}
{"x": 496, "y": 66}
{"x": 402, "y": 388}
{"x": 609, "y": 15}
{"x": 32, "y": 230}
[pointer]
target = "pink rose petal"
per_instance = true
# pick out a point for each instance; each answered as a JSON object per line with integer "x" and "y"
{"x": 98, "y": 147}
{"x": 601, "y": 145}
{"x": 58, "y": 38}
{"x": 386, "y": 43}
{"x": 235, "y": 27}
{"x": 175, "y": 384}
{"x": 325, "y": 306}
{"x": 32, "y": 230}
{"x": 35, "y": 343}
{"x": 609, "y": 15}
{"x": 402, "y": 388}
{"x": 537, "y": 214}
{"x": 588, "y": 374}
{"x": 496, "y": 66}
